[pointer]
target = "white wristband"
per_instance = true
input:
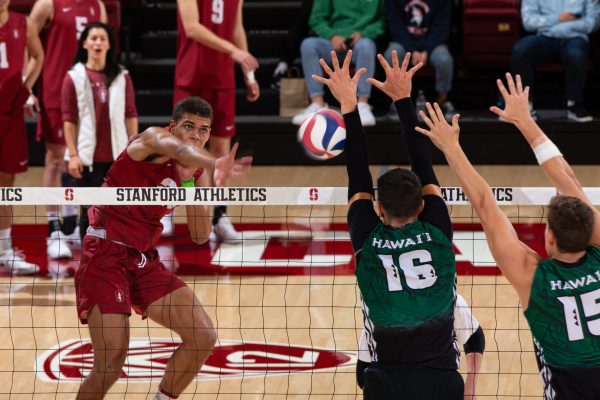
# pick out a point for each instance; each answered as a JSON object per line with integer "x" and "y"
{"x": 545, "y": 151}
{"x": 250, "y": 77}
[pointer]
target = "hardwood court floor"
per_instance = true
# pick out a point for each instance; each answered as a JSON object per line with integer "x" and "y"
{"x": 303, "y": 312}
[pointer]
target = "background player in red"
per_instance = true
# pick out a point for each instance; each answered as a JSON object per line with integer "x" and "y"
{"x": 61, "y": 23}
{"x": 210, "y": 39}
{"x": 17, "y": 37}
{"x": 120, "y": 268}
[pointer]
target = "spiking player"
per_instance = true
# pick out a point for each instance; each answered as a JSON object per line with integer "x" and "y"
{"x": 120, "y": 268}
{"x": 560, "y": 295}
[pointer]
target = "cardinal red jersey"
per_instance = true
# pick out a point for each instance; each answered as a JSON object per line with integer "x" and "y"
{"x": 60, "y": 45}
{"x": 13, "y": 42}
{"x": 201, "y": 66}
{"x": 136, "y": 226}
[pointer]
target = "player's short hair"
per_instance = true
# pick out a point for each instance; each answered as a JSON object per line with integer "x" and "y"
{"x": 192, "y": 105}
{"x": 572, "y": 222}
{"x": 399, "y": 193}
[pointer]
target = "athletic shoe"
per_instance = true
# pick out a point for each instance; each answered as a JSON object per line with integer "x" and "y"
{"x": 311, "y": 109}
{"x": 279, "y": 73}
{"x": 366, "y": 115}
{"x": 577, "y": 113}
{"x": 13, "y": 261}
{"x": 225, "y": 232}
{"x": 167, "y": 223}
{"x": 73, "y": 240}
{"x": 448, "y": 110}
{"x": 57, "y": 246}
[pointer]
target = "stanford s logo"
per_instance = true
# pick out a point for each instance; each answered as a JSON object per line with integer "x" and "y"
{"x": 313, "y": 194}
{"x": 147, "y": 358}
{"x": 69, "y": 194}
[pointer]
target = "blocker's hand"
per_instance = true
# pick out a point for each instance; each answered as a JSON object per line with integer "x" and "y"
{"x": 443, "y": 135}
{"x": 340, "y": 83}
{"x": 516, "y": 99}
{"x": 398, "y": 78}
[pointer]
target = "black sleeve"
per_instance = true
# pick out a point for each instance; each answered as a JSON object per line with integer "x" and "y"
{"x": 436, "y": 213}
{"x": 476, "y": 343}
{"x": 362, "y": 219}
{"x": 418, "y": 145}
{"x": 359, "y": 176}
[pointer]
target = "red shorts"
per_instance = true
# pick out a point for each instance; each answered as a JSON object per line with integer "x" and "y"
{"x": 14, "y": 156}
{"x": 50, "y": 126}
{"x": 117, "y": 278}
{"x": 223, "y": 105}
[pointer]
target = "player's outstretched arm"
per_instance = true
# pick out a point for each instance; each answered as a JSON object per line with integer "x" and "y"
{"x": 556, "y": 168}
{"x": 398, "y": 87}
{"x": 514, "y": 258}
{"x": 343, "y": 88}
{"x": 160, "y": 142}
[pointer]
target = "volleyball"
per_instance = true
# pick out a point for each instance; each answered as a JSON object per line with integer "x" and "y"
{"x": 322, "y": 135}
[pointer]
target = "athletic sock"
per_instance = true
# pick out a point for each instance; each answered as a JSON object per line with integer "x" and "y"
{"x": 219, "y": 212}
{"x": 53, "y": 222}
{"x": 162, "y": 395}
{"x": 5, "y": 240}
{"x": 69, "y": 223}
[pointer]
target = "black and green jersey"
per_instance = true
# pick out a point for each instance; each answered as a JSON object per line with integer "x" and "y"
{"x": 407, "y": 280}
{"x": 564, "y": 316}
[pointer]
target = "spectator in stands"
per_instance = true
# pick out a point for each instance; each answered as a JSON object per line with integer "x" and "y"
{"x": 290, "y": 46}
{"x": 210, "y": 40}
{"x": 341, "y": 25}
{"x": 62, "y": 22}
{"x": 561, "y": 32}
{"x": 18, "y": 38}
{"x": 98, "y": 110}
{"x": 422, "y": 27}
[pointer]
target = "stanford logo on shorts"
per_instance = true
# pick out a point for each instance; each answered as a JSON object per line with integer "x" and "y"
{"x": 119, "y": 296}
{"x": 146, "y": 360}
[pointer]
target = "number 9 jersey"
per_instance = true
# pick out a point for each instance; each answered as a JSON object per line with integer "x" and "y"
{"x": 199, "y": 66}
{"x": 407, "y": 280}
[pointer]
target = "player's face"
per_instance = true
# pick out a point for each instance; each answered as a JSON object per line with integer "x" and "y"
{"x": 4, "y": 5}
{"x": 96, "y": 44}
{"x": 192, "y": 129}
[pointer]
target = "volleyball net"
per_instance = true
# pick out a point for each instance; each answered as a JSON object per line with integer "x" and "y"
{"x": 284, "y": 302}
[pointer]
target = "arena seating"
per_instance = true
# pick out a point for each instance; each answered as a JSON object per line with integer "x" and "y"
{"x": 148, "y": 42}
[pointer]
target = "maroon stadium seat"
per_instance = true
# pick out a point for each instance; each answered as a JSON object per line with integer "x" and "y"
{"x": 490, "y": 28}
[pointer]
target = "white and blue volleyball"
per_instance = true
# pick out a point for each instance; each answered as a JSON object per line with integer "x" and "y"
{"x": 322, "y": 135}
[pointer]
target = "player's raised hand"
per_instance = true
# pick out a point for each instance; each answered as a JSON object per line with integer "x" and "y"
{"x": 228, "y": 167}
{"x": 516, "y": 99}
{"x": 398, "y": 78}
{"x": 340, "y": 83}
{"x": 442, "y": 134}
